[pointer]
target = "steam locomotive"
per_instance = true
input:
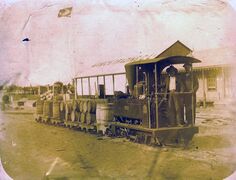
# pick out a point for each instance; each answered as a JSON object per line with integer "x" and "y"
{"x": 139, "y": 114}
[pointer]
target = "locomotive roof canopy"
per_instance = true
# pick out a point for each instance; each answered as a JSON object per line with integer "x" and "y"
{"x": 165, "y": 61}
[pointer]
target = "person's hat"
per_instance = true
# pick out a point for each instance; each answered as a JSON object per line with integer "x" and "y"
{"x": 171, "y": 68}
{"x": 187, "y": 64}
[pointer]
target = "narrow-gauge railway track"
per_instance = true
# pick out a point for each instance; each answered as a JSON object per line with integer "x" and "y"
{"x": 134, "y": 133}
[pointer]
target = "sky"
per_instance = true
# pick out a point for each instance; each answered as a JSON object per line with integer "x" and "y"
{"x": 61, "y": 48}
{"x": 233, "y": 3}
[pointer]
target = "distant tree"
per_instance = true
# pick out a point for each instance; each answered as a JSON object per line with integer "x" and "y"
{"x": 12, "y": 88}
{"x": 6, "y": 99}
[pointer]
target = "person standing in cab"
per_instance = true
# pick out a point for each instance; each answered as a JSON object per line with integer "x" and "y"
{"x": 175, "y": 104}
{"x": 191, "y": 86}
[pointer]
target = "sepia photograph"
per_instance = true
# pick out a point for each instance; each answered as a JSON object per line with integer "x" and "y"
{"x": 117, "y": 89}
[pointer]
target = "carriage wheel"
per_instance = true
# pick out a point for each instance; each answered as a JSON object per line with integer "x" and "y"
{"x": 124, "y": 133}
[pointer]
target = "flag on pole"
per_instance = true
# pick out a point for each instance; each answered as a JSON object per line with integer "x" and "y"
{"x": 66, "y": 12}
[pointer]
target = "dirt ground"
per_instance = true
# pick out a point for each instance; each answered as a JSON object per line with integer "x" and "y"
{"x": 31, "y": 150}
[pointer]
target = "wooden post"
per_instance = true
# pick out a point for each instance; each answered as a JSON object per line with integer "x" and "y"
{"x": 104, "y": 80}
{"x": 113, "y": 83}
{"x": 204, "y": 88}
{"x": 82, "y": 91}
{"x": 75, "y": 86}
{"x": 53, "y": 90}
{"x": 223, "y": 78}
{"x": 39, "y": 91}
{"x": 136, "y": 79}
{"x": 89, "y": 86}
{"x": 97, "y": 84}
{"x": 156, "y": 97}
{"x": 193, "y": 105}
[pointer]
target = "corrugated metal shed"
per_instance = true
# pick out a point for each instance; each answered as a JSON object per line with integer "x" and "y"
{"x": 211, "y": 58}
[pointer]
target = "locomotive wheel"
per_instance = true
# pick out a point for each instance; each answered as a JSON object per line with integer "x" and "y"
{"x": 109, "y": 133}
{"x": 139, "y": 139}
{"x": 147, "y": 139}
{"x": 157, "y": 142}
{"x": 118, "y": 132}
{"x": 124, "y": 134}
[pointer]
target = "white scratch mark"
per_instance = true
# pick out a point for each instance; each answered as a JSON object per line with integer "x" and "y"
{"x": 52, "y": 166}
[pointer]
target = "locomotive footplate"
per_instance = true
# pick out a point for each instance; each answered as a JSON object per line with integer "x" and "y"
{"x": 165, "y": 135}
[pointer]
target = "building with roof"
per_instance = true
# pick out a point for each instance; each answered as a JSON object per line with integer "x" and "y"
{"x": 215, "y": 73}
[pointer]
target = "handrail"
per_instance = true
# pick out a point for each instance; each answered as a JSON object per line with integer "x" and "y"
{"x": 100, "y": 75}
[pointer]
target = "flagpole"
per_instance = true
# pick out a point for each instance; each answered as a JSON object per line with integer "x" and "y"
{"x": 65, "y": 13}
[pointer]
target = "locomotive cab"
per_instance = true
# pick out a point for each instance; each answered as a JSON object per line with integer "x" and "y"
{"x": 148, "y": 95}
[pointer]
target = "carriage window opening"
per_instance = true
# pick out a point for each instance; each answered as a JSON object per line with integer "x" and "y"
{"x": 109, "y": 85}
{"x": 100, "y": 80}
{"x": 85, "y": 86}
{"x": 120, "y": 83}
{"x": 79, "y": 87}
{"x": 211, "y": 83}
{"x": 93, "y": 85}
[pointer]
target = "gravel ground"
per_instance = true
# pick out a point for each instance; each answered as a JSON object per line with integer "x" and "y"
{"x": 31, "y": 150}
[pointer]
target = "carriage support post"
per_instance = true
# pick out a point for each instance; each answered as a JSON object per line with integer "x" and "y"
{"x": 156, "y": 97}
